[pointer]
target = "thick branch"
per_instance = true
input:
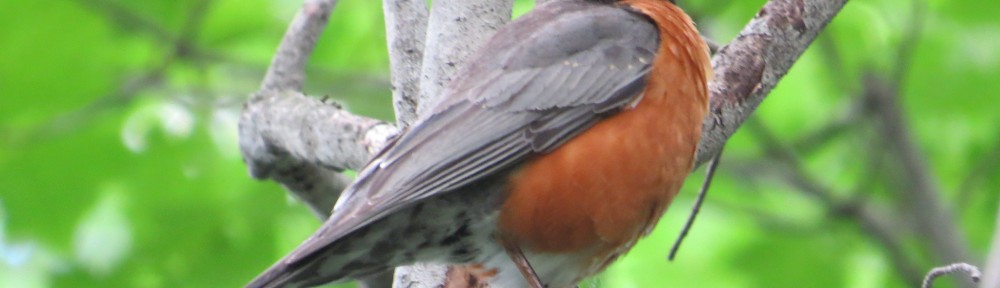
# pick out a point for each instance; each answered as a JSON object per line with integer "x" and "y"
{"x": 751, "y": 64}
{"x": 300, "y": 141}
{"x": 295, "y": 128}
{"x": 456, "y": 29}
{"x": 405, "y": 30}
{"x": 313, "y": 183}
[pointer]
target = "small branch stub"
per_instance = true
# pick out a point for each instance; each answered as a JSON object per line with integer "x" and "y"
{"x": 973, "y": 272}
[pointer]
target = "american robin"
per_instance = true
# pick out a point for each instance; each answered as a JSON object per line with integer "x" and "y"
{"x": 560, "y": 144}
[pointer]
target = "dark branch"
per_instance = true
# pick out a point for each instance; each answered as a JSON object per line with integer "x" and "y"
{"x": 933, "y": 219}
{"x": 871, "y": 223}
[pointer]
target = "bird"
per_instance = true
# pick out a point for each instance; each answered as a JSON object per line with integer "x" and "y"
{"x": 558, "y": 145}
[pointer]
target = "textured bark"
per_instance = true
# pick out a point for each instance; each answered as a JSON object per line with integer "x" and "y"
{"x": 405, "y": 30}
{"x": 300, "y": 141}
{"x": 421, "y": 276}
{"x": 749, "y": 66}
{"x": 455, "y": 30}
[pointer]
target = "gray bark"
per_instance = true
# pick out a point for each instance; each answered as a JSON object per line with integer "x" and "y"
{"x": 455, "y": 30}
{"x": 406, "y": 29}
{"x": 749, "y": 66}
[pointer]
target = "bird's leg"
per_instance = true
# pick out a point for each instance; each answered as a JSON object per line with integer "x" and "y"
{"x": 517, "y": 256}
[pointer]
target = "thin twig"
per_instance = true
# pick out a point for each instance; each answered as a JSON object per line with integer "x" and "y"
{"x": 847, "y": 122}
{"x": 288, "y": 68}
{"x": 127, "y": 19}
{"x": 932, "y": 217}
{"x": 712, "y": 165}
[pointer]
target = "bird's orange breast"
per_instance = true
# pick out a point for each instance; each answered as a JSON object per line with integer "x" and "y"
{"x": 604, "y": 188}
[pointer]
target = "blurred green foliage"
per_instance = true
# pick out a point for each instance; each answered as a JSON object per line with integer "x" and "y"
{"x": 119, "y": 165}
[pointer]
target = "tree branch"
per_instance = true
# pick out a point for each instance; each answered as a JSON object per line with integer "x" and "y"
{"x": 973, "y": 272}
{"x": 288, "y": 68}
{"x": 280, "y": 129}
{"x": 933, "y": 220}
{"x": 871, "y": 223}
{"x": 406, "y": 28}
{"x": 300, "y": 142}
{"x": 456, "y": 29}
{"x": 751, "y": 65}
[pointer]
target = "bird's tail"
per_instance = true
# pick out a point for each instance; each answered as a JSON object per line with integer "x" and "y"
{"x": 321, "y": 260}
{"x": 314, "y": 270}
{"x": 281, "y": 274}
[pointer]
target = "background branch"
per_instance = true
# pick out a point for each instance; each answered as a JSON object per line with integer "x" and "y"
{"x": 872, "y": 223}
{"x": 933, "y": 220}
{"x": 974, "y": 274}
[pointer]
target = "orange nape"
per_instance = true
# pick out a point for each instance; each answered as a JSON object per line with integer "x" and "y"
{"x": 608, "y": 186}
